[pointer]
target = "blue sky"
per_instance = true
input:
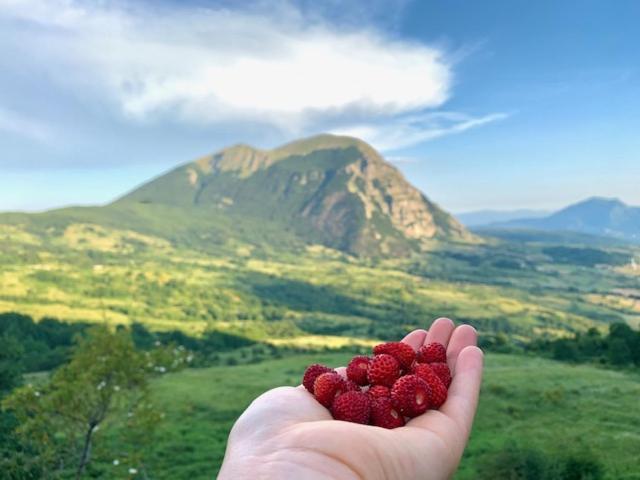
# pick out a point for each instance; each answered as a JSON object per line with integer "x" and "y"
{"x": 502, "y": 104}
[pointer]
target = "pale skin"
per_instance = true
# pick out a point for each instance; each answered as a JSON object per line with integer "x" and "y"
{"x": 285, "y": 433}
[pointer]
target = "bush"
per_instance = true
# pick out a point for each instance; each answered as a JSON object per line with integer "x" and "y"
{"x": 581, "y": 467}
{"x": 519, "y": 463}
{"x": 515, "y": 463}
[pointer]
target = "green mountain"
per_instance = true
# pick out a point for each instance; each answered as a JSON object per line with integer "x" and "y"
{"x": 332, "y": 190}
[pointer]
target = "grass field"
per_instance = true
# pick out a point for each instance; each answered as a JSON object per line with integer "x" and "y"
{"x": 555, "y": 407}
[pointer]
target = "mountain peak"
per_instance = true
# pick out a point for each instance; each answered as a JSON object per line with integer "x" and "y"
{"x": 594, "y": 216}
{"x": 602, "y": 201}
{"x": 592, "y": 207}
{"x": 323, "y": 141}
{"x": 330, "y": 189}
{"x": 245, "y": 159}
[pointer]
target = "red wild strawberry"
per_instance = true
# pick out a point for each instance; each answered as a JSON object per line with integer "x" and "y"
{"x": 351, "y": 386}
{"x": 352, "y": 407}
{"x": 327, "y": 387}
{"x": 311, "y": 373}
{"x": 357, "y": 369}
{"x": 401, "y": 351}
{"x": 383, "y": 370}
{"x": 410, "y": 395}
{"x": 442, "y": 370}
{"x": 378, "y": 391}
{"x": 438, "y": 390}
{"x": 432, "y": 352}
{"x": 384, "y": 414}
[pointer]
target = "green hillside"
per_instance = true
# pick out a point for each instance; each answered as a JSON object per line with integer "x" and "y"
{"x": 299, "y": 293}
{"x": 555, "y": 408}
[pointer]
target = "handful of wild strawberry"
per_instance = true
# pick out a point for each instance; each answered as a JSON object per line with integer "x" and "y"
{"x": 384, "y": 390}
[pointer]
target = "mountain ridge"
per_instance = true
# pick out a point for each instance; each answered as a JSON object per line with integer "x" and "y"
{"x": 325, "y": 190}
{"x": 333, "y": 190}
{"x": 608, "y": 217}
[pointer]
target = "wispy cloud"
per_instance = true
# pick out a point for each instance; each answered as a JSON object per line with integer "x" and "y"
{"x": 23, "y": 126}
{"x": 272, "y": 65}
{"x": 208, "y": 66}
{"x": 406, "y": 130}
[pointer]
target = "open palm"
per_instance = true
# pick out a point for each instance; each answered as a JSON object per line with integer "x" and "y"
{"x": 286, "y": 433}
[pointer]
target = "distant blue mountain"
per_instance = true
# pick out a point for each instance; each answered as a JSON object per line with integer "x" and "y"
{"x": 487, "y": 217}
{"x": 595, "y": 216}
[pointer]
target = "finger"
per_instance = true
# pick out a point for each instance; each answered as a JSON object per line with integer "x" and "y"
{"x": 342, "y": 371}
{"x": 440, "y": 331}
{"x": 463, "y": 336}
{"x": 415, "y": 338}
{"x": 462, "y": 399}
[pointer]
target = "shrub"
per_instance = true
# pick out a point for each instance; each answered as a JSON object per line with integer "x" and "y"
{"x": 523, "y": 463}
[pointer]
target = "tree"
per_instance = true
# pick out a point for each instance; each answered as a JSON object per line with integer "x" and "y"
{"x": 635, "y": 349}
{"x": 619, "y": 352}
{"x": 10, "y": 363}
{"x": 621, "y": 330}
{"x": 565, "y": 349}
{"x": 106, "y": 378}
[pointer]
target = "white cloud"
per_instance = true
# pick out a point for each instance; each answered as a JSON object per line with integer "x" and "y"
{"x": 18, "y": 124}
{"x": 208, "y": 66}
{"x": 407, "y": 130}
{"x": 269, "y": 65}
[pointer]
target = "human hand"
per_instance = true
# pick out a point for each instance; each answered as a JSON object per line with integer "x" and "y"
{"x": 286, "y": 433}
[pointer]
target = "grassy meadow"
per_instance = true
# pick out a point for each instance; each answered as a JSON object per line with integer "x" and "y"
{"x": 553, "y": 407}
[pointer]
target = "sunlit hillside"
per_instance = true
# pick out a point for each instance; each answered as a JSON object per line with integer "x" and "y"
{"x": 95, "y": 273}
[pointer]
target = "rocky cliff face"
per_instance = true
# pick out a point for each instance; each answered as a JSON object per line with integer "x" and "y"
{"x": 333, "y": 190}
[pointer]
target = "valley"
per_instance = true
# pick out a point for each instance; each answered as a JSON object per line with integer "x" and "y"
{"x": 95, "y": 273}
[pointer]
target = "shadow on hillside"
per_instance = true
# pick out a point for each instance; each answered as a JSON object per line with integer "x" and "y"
{"x": 303, "y": 296}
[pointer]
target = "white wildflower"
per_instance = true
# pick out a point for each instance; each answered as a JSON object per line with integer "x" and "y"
{"x": 133, "y": 471}
{"x": 116, "y": 388}
{"x": 36, "y": 393}
{"x": 101, "y": 385}
{"x": 116, "y": 462}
